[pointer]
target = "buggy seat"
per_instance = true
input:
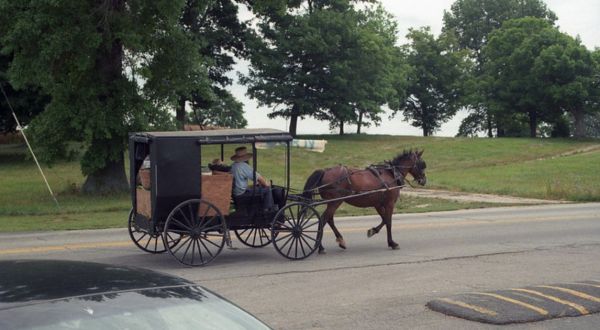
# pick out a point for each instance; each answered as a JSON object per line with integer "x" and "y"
{"x": 249, "y": 204}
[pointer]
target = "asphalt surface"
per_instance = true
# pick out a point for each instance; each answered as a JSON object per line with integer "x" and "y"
{"x": 369, "y": 286}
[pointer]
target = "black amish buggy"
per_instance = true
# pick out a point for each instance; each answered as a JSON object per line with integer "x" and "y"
{"x": 182, "y": 210}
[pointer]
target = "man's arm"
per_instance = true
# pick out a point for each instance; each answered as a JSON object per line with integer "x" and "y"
{"x": 249, "y": 173}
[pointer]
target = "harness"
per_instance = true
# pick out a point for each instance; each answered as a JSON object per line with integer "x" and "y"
{"x": 375, "y": 172}
{"x": 375, "y": 169}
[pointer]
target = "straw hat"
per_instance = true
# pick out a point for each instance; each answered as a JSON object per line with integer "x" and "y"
{"x": 241, "y": 154}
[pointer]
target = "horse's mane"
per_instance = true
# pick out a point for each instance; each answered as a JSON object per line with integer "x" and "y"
{"x": 405, "y": 155}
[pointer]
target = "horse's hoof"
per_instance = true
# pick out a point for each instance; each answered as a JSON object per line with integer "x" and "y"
{"x": 394, "y": 246}
{"x": 341, "y": 243}
{"x": 371, "y": 232}
{"x": 322, "y": 251}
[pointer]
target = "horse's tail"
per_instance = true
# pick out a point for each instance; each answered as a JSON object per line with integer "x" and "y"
{"x": 311, "y": 183}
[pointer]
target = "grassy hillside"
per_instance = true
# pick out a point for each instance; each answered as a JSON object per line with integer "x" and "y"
{"x": 541, "y": 168}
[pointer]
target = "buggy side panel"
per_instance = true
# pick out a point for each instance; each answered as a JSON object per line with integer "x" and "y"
{"x": 175, "y": 174}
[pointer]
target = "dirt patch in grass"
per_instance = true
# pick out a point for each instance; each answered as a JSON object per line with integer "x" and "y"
{"x": 480, "y": 198}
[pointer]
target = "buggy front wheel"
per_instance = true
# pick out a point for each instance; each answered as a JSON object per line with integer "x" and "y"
{"x": 202, "y": 231}
{"x": 297, "y": 231}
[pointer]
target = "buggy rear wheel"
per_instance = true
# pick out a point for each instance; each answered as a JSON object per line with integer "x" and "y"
{"x": 253, "y": 236}
{"x": 297, "y": 231}
{"x": 202, "y": 230}
{"x": 152, "y": 243}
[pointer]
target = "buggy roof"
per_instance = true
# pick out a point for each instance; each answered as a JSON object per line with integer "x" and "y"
{"x": 221, "y": 136}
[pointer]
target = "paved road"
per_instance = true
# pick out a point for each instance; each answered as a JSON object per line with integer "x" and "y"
{"x": 369, "y": 286}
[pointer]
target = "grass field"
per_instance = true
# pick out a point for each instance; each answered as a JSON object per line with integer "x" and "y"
{"x": 540, "y": 168}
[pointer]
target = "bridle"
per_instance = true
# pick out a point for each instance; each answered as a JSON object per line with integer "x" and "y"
{"x": 401, "y": 178}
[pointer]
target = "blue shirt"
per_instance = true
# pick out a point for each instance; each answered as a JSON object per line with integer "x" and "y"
{"x": 242, "y": 172}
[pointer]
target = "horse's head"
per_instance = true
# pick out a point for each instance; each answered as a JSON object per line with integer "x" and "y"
{"x": 410, "y": 162}
{"x": 418, "y": 169}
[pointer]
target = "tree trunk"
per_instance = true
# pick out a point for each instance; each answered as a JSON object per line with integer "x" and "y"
{"x": 107, "y": 180}
{"x": 532, "y": 123}
{"x": 360, "y": 116}
{"x": 103, "y": 160}
{"x": 578, "y": 116}
{"x": 293, "y": 123}
{"x": 341, "y": 127}
{"x": 180, "y": 112}
{"x": 490, "y": 132}
{"x": 424, "y": 121}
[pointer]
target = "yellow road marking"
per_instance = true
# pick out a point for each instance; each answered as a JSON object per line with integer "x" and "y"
{"x": 399, "y": 226}
{"x": 516, "y": 302}
{"x": 469, "y": 306}
{"x": 572, "y": 292}
{"x": 578, "y": 307}
{"x": 65, "y": 247}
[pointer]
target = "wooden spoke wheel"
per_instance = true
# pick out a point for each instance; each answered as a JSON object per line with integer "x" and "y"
{"x": 297, "y": 231}
{"x": 202, "y": 232}
{"x": 254, "y": 237}
{"x": 152, "y": 243}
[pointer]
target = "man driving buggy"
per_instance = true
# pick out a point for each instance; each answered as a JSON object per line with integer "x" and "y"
{"x": 242, "y": 172}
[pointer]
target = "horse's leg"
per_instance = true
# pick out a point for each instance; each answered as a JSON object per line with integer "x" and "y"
{"x": 388, "y": 226}
{"x": 328, "y": 217}
{"x": 375, "y": 230}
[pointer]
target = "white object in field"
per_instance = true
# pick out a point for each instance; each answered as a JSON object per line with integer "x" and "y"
{"x": 312, "y": 145}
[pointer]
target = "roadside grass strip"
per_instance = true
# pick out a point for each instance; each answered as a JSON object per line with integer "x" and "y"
{"x": 521, "y": 305}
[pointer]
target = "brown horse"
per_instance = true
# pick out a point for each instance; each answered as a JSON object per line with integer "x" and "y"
{"x": 339, "y": 182}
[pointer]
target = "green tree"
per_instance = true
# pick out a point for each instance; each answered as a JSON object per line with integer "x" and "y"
{"x": 224, "y": 111}
{"x": 219, "y": 36}
{"x": 364, "y": 63}
{"x": 325, "y": 59}
{"x": 568, "y": 73}
{"x": 534, "y": 69}
{"x": 89, "y": 57}
{"x": 472, "y": 21}
{"x": 27, "y": 102}
{"x": 592, "y": 116}
{"x": 434, "y": 84}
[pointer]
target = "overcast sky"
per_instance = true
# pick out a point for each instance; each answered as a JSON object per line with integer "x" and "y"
{"x": 575, "y": 17}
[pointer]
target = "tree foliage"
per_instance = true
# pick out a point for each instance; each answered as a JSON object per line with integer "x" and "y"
{"x": 434, "y": 86}
{"x": 534, "y": 69}
{"x": 472, "y": 21}
{"x": 224, "y": 111}
{"x": 27, "y": 102}
{"x": 324, "y": 59}
{"x": 89, "y": 57}
{"x": 569, "y": 75}
{"x": 218, "y": 36}
{"x": 592, "y": 114}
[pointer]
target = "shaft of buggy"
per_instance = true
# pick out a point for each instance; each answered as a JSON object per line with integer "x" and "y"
{"x": 343, "y": 198}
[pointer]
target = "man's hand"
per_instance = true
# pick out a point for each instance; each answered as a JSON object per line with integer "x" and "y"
{"x": 262, "y": 182}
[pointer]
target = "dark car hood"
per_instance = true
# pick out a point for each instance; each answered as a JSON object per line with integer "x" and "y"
{"x": 25, "y": 281}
